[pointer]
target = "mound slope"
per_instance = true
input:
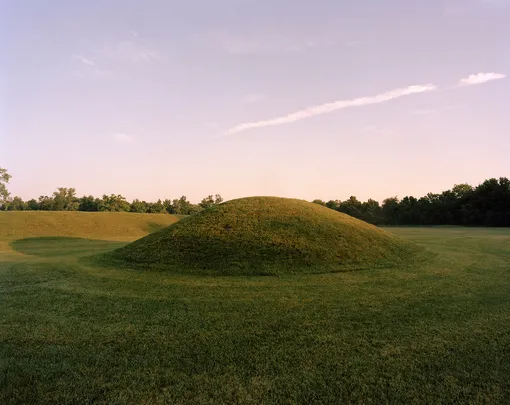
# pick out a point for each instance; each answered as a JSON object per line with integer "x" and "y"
{"x": 96, "y": 225}
{"x": 267, "y": 235}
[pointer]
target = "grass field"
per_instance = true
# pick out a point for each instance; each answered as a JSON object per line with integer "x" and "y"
{"x": 72, "y": 332}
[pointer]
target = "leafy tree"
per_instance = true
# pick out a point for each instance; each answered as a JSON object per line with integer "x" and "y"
{"x": 182, "y": 206}
{"x": 168, "y": 206}
{"x": 139, "y": 206}
{"x": 46, "y": 203}
{"x": 156, "y": 208}
{"x": 210, "y": 201}
{"x": 65, "y": 199}
{"x": 352, "y": 207}
{"x": 218, "y": 199}
{"x": 32, "y": 205}
{"x": 390, "y": 211}
{"x": 207, "y": 202}
{"x": 462, "y": 190}
{"x": 89, "y": 204}
{"x": 113, "y": 203}
{"x": 408, "y": 212}
{"x": 333, "y": 204}
{"x": 4, "y": 179}
{"x": 16, "y": 204}
{"x": 319, "y": 202}
{"x": 371, "y": 212}
{"x": 490, "y": 203}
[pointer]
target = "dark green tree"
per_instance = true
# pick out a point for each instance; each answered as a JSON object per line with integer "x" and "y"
{"x": 156, "y": 208}
{"x": 333, "y": 204}
{"x": 89, "y": 204}
{"x": 390, "y": 211}
{"x": 16, "y": 204}
{"x": 352, "y": 207}
{"x": 139, "y": 206}
{"x": 32, "y": 205}
{"x": 371, "y": 212}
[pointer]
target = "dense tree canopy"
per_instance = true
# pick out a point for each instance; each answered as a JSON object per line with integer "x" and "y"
{"x": 485, "y": 205}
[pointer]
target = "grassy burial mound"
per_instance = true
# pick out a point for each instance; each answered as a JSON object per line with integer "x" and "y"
{"x": 267, "y": 235}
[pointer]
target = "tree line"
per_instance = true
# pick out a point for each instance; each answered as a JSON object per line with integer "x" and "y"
{"x": 487, "y": 204}
{"x": 64, "y": 199}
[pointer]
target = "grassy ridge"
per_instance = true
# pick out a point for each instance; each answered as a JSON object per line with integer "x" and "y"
{"x": 433, "y": 333}
{"x": 268, "y": 235}
{"x": 115, "y": 226}
{"x": 103, "y": 225}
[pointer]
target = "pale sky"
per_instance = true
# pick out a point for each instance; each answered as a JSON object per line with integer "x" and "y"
{"x": 307, "y": 99}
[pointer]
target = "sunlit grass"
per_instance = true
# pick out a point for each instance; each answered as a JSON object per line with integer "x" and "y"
{"x": 72, "y": 332}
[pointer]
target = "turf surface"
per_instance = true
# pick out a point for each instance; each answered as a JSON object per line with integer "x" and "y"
{"x": 267, "y": 236}
{"x": 70, "y": 332}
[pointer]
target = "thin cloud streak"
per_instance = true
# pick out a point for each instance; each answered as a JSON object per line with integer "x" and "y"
{"x": 84, "y": 60}
{"x": 330, "y": 107}
{"x": 480, "y": 78}
{"x": 88, "y": 68}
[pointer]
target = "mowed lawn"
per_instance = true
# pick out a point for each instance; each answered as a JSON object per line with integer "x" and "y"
{"x": 72, "y": 332}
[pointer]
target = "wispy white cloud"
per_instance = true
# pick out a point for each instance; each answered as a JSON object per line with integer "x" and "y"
{"x": 88, "y": 68}
{"x": 123, "y": 138}
{"x": 84, "y": 60}
{"x": 334, "y": 106}
{"x": 480, "y": 78}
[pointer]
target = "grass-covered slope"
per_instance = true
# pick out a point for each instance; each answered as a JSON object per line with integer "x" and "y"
{"x": 267, "y": 235}
{"x": 20, "y": 230}
{"x": 104, "y": 225}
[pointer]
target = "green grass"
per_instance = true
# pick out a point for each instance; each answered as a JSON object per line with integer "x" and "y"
{"x": 267, "y": 236}
{"x": 76, "y": 333}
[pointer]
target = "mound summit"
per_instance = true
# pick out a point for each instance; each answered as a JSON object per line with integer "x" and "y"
{"x": 267, "y": 235}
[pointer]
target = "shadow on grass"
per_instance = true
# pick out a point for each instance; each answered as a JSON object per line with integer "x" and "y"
{"x": 57, "y": 246}
{"x": 154, "y": 227}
